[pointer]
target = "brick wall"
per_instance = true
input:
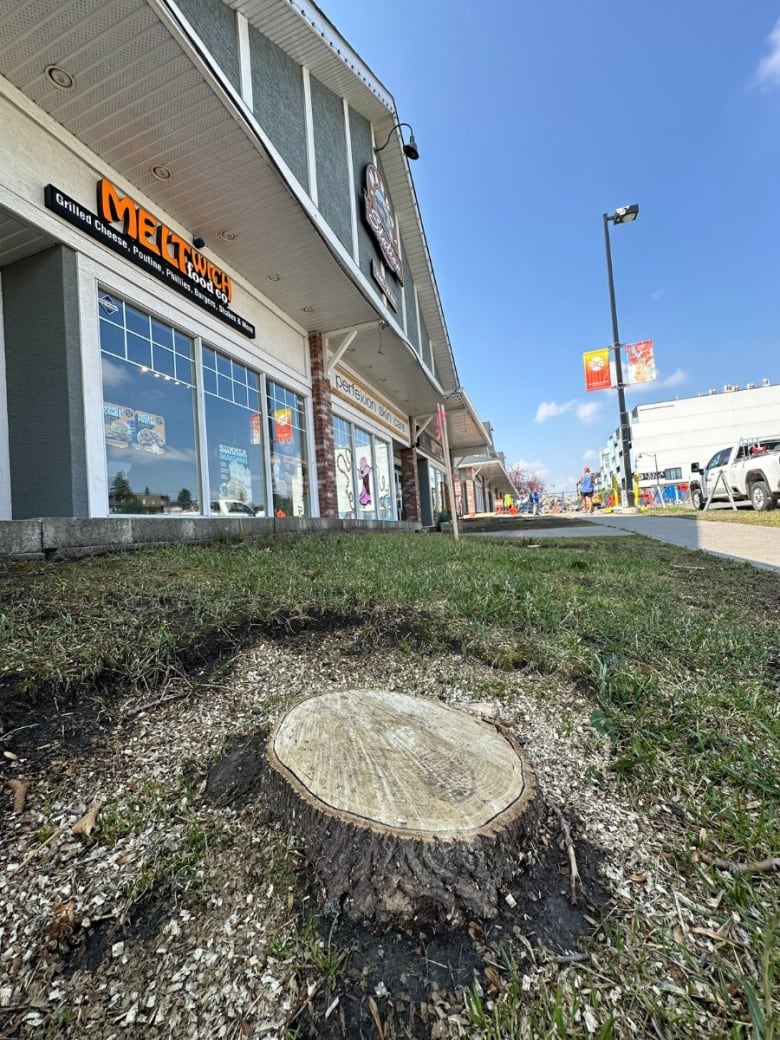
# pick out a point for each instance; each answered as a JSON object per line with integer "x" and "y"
{"x": 411, "y": 486}
{"x": 323, "y": 428}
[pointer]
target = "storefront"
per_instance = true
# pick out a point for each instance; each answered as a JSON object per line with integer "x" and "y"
{"x": 168, "y": 406}
{"x": 368, "y": 435}
{"x": 215, "y": 292}
{"x": 434, "y": 496}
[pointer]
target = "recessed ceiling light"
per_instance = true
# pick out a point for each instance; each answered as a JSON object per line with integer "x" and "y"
{"x": 162, "y": 173}
{"x": 59, "y": 77}
{"x": 229, "y": 236}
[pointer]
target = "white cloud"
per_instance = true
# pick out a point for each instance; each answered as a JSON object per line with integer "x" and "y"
{"x": 530, "y": 466}
{"x": 657, "y": 294}
{"x": 588, "y": 411}
{"x": 768, "y": 72}
{"x": 676, "y": 378}
{"x": 549, "y": 409}
{"x": 589, "y": 455}
{"x": 114, "y": 374}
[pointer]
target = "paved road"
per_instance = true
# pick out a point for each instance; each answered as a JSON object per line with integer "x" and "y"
{"x": 751, "y": 544}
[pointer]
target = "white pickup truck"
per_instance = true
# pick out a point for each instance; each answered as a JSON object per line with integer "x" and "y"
{"x": 749, "y": 469}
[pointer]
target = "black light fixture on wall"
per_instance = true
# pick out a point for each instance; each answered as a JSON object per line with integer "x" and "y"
{"x": 410, "y": 149}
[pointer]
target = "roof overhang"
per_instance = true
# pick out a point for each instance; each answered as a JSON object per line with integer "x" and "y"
{"x": 146, "y": 93}
{"x": 491, "y": 470}
{"x": 466, "y": 432}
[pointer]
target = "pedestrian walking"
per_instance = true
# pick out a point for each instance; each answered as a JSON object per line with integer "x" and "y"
{"x": 586, "y": 490}
{"x": 535, "y": 501}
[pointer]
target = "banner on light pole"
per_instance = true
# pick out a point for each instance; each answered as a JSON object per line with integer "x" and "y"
{"x": 640, "y": 362}
{"x": 597, "y": 371}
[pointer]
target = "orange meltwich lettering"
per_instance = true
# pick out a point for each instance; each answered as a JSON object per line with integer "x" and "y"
{"x": 157, "y": 237}
{"x": 114, "y": 207}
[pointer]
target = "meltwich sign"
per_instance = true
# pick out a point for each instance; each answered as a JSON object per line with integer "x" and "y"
{"x": 151, "y": 245}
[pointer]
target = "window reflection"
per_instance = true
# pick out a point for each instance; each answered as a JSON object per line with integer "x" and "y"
{"x": 289, "y": 472}
{"x": 234, "y": 437}
{"x": 149, "y": 416}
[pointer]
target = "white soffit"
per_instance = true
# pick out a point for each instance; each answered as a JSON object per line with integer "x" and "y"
{"x": 142, "y": 98}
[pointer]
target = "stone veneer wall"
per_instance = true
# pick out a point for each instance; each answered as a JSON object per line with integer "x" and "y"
{"x": 67, "y": 537}
{"x": 323, "y": 428}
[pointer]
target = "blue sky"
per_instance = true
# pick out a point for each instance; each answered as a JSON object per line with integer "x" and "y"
{"x": 533, "y": 119}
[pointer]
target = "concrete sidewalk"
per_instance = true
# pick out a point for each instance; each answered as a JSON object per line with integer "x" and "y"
{"x": 747, "y": 543}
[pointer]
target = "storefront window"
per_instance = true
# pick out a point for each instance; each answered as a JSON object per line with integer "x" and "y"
{"x": 384, "y": 486}
{"x": 364, "y": 475}
{"x": 149, "y": 411}
{"x": 233, "y": 431}
{"x": 345, "y": 485}
{"x": 287, "y": 428}
{"x": 435, "y": 479}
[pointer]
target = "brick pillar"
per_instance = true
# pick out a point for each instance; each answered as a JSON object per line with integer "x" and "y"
{"x": 323, "y": 429}
{"x": 410, "y": 485}
{"x": 471, "y": 495}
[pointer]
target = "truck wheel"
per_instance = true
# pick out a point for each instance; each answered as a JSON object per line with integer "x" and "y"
{"x": 697, "y": 498}
{"x": 760, "y": 497}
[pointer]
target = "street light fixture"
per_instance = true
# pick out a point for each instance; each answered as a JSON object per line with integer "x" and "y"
{"x": 652, "y": 455}
{"x": 622, "y": 215}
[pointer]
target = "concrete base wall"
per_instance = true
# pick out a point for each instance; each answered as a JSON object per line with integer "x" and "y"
{"x": 60, "y": 537}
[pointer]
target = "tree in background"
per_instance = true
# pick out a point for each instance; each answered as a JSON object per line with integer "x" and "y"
{"x": 184, "y": 499}
{"x": 526, "y": 480}
{"x": 121, "y": 498}
{"x": 120, "y": 487}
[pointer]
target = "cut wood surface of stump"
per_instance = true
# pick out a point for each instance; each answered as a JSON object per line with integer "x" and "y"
{"x": 410, "y": 810}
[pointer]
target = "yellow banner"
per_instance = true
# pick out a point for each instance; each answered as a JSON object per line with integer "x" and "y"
{"x": 597, "y": 374}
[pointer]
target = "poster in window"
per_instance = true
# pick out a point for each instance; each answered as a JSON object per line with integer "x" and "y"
{"x": 127, "y": 427}
{"x": 235, "y": 476}
{"x": 283, "y": 429}
{"x": 150, "y": 432}
{"x": 255, "y": 435}
{"x": 119, "y": 423}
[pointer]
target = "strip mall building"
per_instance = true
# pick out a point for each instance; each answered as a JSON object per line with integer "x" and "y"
{"x": 216, "y": 287}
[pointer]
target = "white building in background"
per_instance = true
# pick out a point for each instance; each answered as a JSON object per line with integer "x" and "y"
{"x": 668, "y": 436}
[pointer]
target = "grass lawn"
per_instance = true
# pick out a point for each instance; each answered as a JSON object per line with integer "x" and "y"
{"x": 651, "y": 675}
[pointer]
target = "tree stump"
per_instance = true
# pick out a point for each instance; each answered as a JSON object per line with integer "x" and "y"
{"x": 411, "y": 812}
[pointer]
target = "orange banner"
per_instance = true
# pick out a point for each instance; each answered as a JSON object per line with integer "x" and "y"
{"x": 597, "y": 373}
{"x": 640, "y": 362}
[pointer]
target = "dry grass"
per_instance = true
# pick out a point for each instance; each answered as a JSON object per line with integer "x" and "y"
{"x": 638, "y": 656}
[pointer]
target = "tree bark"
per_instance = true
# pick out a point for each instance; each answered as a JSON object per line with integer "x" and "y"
{"x": 411, "y": 812}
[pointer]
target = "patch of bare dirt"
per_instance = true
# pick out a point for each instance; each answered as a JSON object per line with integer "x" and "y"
{"x": 188, "y": 912}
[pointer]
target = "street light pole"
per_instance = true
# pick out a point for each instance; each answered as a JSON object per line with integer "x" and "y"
{"x": 652, "y": 455}
{"x": 621, "y": 216}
